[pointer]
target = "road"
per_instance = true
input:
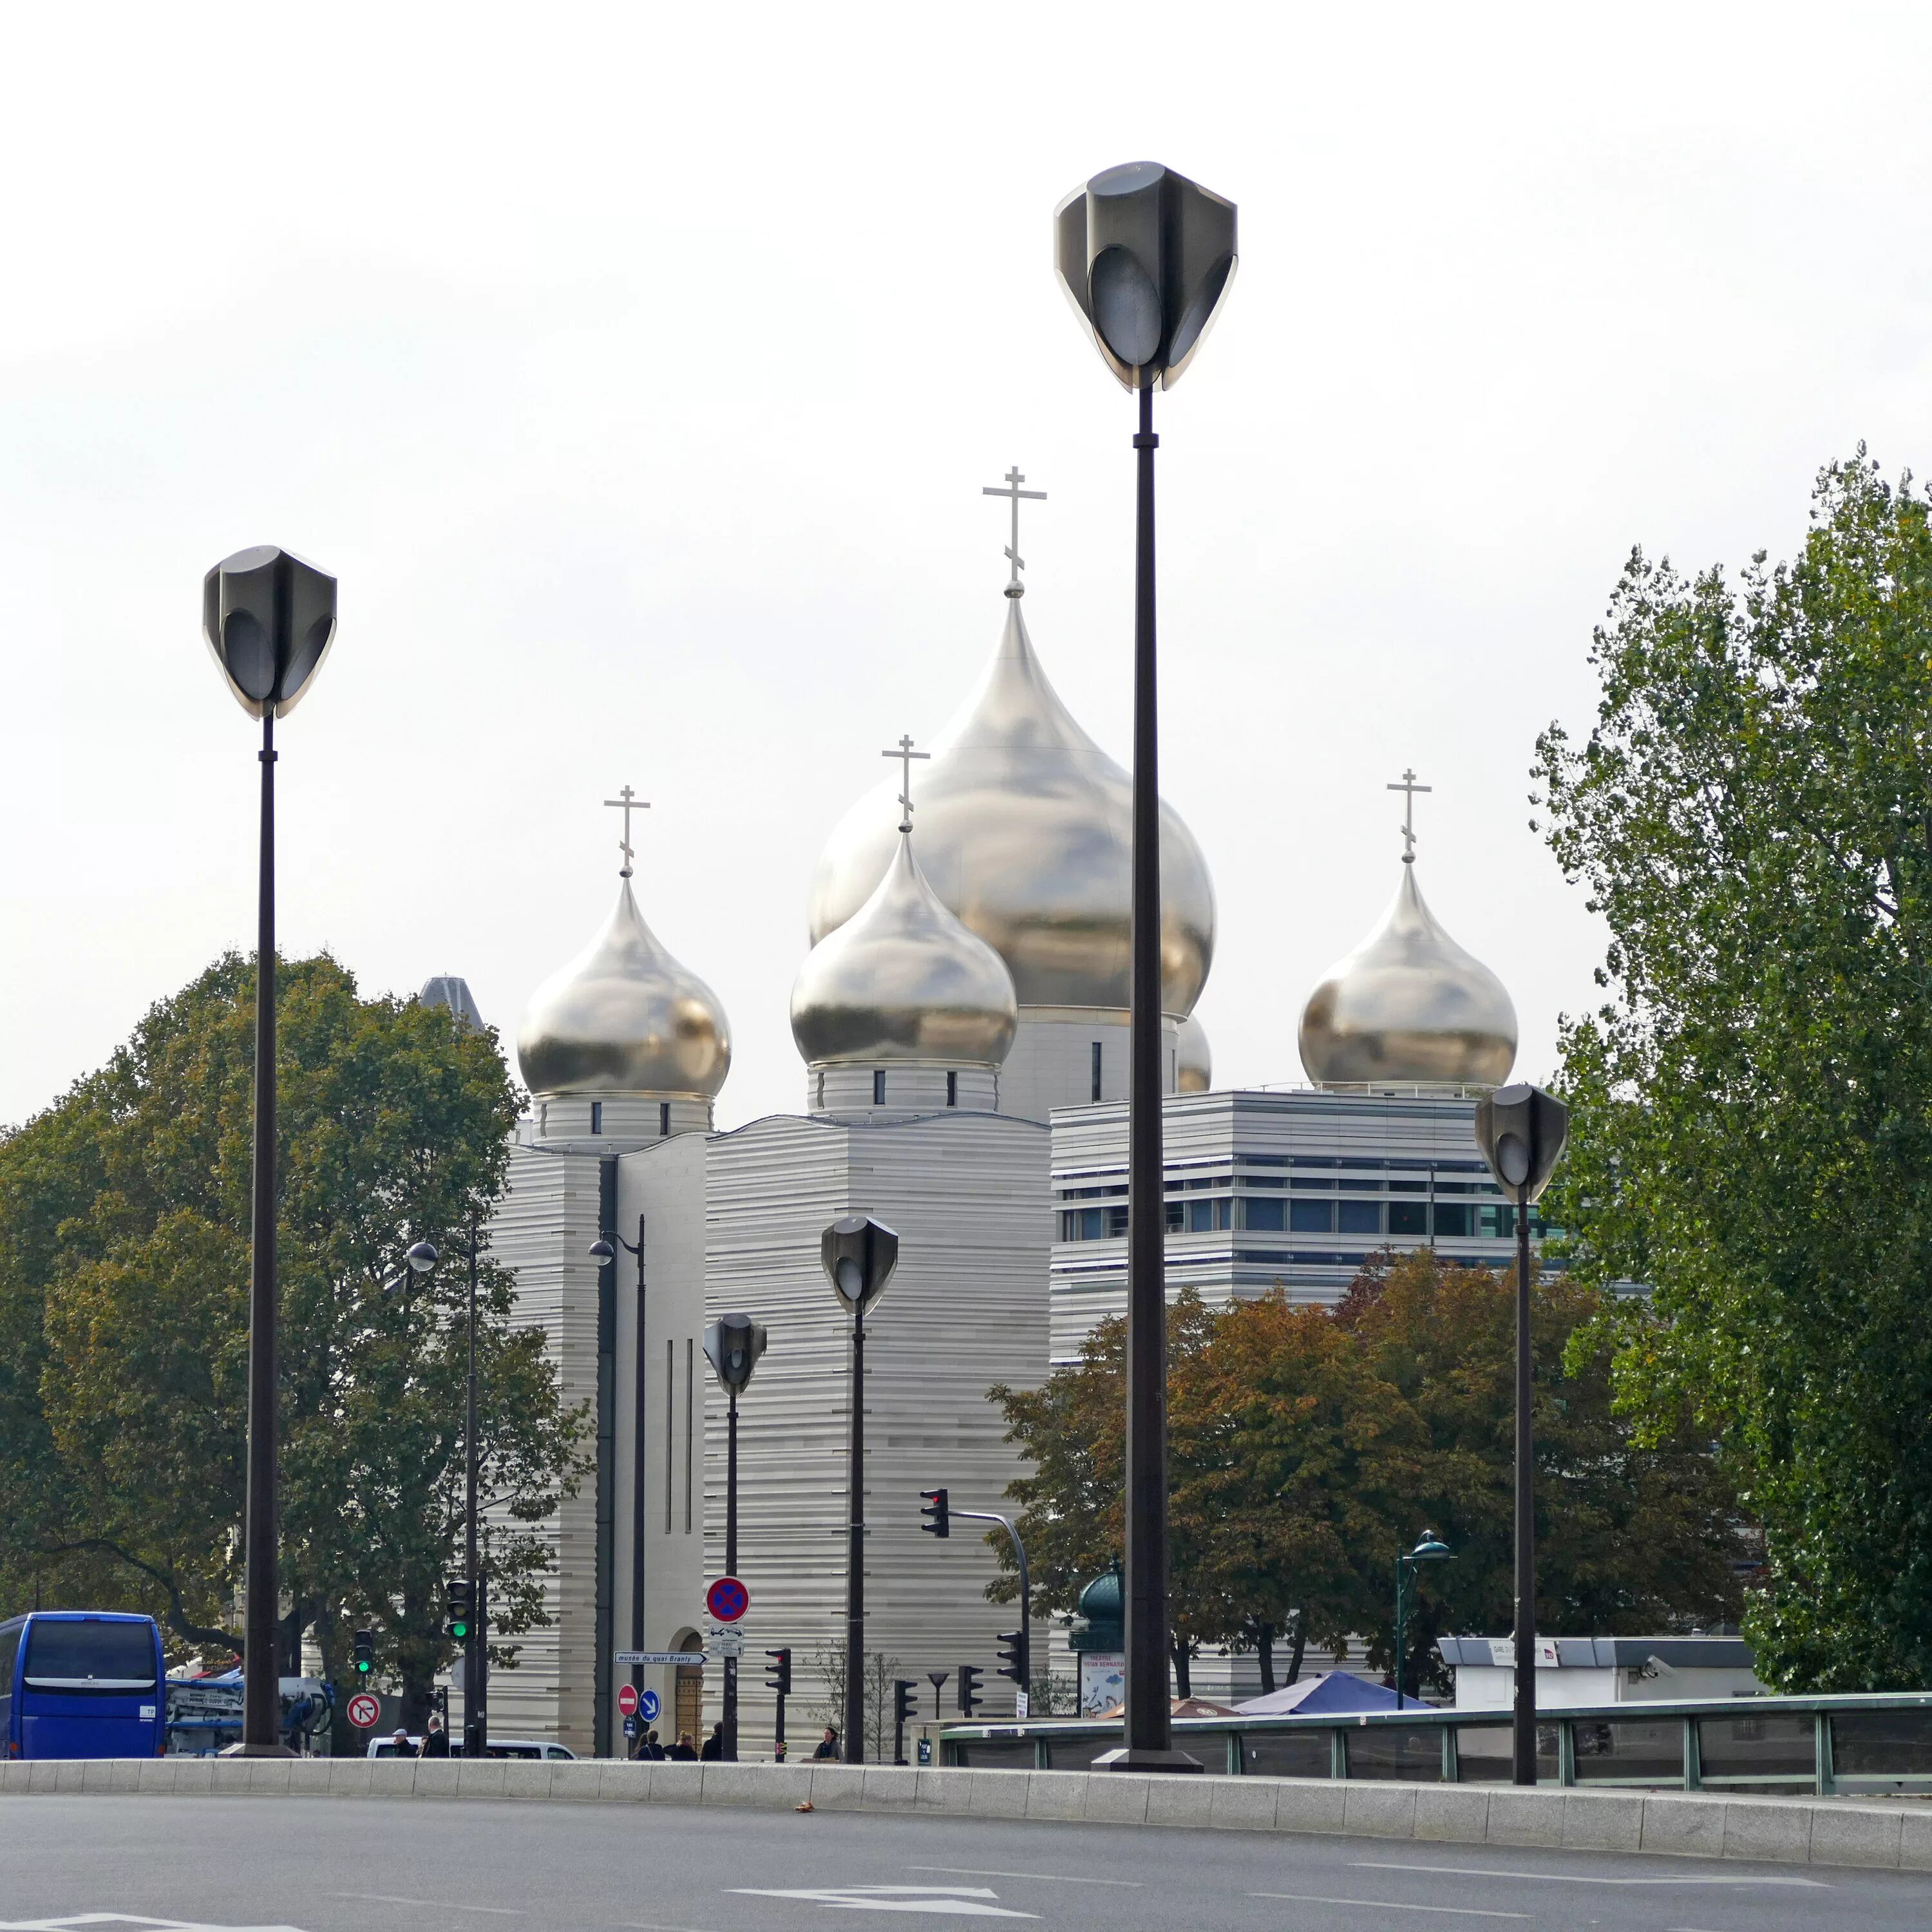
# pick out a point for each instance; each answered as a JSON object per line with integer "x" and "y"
{"x": 323, "y": 1865}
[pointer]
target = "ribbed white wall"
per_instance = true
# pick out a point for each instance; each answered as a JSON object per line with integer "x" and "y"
{"x": 910, "y": 1087}
{"x": 1051, "y": 1062}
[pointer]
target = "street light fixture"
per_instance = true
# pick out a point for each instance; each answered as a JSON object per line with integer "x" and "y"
{"x": 732, "y": 1346}
{"x": 1146, "y": 255}
{"x": 1428, "y": 1550}
{"x": 269, "y": 619}
{"x": 858, "y": 1254}
{"x": 1521, "y": 1130}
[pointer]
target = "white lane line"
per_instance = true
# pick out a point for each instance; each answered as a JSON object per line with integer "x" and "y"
{"x": 435, "y": 1904}
{"x": 1577, "y": 1878}
{"x": 1386, "y": 1905}
{"x": 962, "y": 1900}
{"x": 1051, "y": 1878}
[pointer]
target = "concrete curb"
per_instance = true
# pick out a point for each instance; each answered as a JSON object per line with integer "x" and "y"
{"x": 1875, "y": 1835}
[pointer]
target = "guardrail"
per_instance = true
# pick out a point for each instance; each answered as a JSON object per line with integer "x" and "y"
{"x": 1881, "y": 1742}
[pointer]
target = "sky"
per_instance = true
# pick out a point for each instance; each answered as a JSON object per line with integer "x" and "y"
{"x": 637, "y": 371}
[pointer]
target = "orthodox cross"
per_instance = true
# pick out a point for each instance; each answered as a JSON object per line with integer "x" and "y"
{"x": 1409, "y": 785}
{"x": 904, "y": 753}
{"x": 627, "y": 802}
{"x": 1015, "y": 588}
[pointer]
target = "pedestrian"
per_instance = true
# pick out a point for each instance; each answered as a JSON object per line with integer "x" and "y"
{"x": 828, "y": 1745}
{"x": 653, "y": 1750}
{"x": 713, "y": 1752}
{"x": 683, "y": 1750}
{"x": 436, "y": 1739}
{"x": 399, "y": 1745}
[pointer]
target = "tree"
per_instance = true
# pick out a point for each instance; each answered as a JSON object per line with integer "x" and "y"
{"x": 1752, "y": 814}
{"x": 123, "y": 1268}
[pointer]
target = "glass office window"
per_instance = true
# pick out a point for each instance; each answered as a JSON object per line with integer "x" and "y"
{"x": 1203, "y": 1217}
{"x": 1311, "y": 1217}
{"x": 1497, "y": 1223}
{"x": 1451, "y": 1218}
{"x": 1117, "y": 1220}
{"x": 1408, "y": 1217}
{"x": 1359, "y": 1217}
{"x": 1269, "y": 1215}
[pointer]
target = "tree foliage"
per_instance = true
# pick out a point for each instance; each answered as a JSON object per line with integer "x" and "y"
{"x": 1752, "y": 814}
{"x": 124, "y": 1272}
{"x": 1308, "y": 1447}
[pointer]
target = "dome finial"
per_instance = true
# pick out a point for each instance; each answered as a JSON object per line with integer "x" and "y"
{"x": 1015, "y": 588}
{"x": 904, "y": 753}
{"x": 627, "y": 802}
{"x": 1409, "y": 785}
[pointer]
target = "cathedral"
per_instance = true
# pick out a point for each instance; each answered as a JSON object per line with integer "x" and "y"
{"x": 961, "y": 1020}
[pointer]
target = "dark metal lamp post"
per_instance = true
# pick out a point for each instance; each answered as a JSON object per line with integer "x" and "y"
{"x": 858, "y": 1254}
{"x": 603, "y": 1252}
{"x": 269, "y": 619}
{"x": 1146, "y": 255}
{"x": 732, "y": 1346}
{"x": 1521, "y": 1130}
{"x": 1428, "y": 1550}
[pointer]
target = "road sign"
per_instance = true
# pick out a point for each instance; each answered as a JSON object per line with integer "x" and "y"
{"x": 363, "y": 1710}
{"x": 728, "y": 1600}
{"x": 627, "y": 1699}
{"x": 630, "y": 1727}
{"x": 730, "y": 1643}
{"x": 647, "y": 1707}
{"x": 692, "y": 1657}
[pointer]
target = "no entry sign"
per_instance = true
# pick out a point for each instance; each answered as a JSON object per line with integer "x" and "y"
{"x": 728, "y": 1600}
{"x": 364, "y": 1710}
{"x": 627, "y": 1699}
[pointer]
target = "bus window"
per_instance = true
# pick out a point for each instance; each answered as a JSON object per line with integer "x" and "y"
{"x": 88, "y": 1658}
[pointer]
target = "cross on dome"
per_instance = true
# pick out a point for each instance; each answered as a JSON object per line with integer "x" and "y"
{"x": 1015, "y": 588}
{"x": 627, "y": 802}
{"x": 904, "y": 753}
{"x": 1409, "y": 786}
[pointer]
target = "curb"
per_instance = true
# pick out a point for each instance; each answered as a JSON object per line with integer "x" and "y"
{"x": 1790, "y": 1831}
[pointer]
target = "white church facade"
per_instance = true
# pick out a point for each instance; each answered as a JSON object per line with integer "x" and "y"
{"x": 962, "y": 1018}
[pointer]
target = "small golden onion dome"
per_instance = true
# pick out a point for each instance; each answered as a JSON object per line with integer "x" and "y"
{"x": 1409, "y": 1005}
{"x": 903, "y": 980}
{"x": 1193, "y": 1059}
{"x": 624, "y": 1017}
{"x": 1026, "y": 833}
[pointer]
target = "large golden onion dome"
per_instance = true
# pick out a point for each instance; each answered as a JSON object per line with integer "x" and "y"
{"x": 903, "y": 980}
{"x": 1408, "y": 1005}
{"x": 625, "y": 1017}
{"x": 1193, "y": 1059}
{"x": 1025, "y": 832}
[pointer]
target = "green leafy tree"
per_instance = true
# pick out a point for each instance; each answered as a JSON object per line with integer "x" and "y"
{"x": 1752, "y": 814}
{"x": 124, "y": 1270}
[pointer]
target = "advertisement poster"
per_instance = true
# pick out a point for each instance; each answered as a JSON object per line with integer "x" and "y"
{"x": 1103, "y": 1681}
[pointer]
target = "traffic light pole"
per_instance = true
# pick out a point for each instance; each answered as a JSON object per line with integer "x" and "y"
{"x": 1026, "y": 1588}
{"x": 476, "y": 1656}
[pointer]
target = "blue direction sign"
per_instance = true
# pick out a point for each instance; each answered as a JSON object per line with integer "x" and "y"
{"x": 647, "y": 1707}
{"x": 728, "y": 1600}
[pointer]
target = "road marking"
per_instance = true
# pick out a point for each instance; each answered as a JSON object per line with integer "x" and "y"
{"x": 435, "y": 1904}
{"x": 1387, "y": 1904}
{"x": 1051, "y": 1878}
{"x": 142, "y": 1921}
{"x": 970, "y": 1900}
{"x": 1579, "y": 1878}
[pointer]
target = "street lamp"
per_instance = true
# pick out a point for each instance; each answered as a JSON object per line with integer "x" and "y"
{"x": 1428, "y": 1550}
{"x": 603, "y": 1252}
{"x": 421, "y": 1257}
{"x": 269, "y": 619}
{"x": 732, "y": 1346}
{"x": 1145, "y": 254}
{"x": 1521, "y": 1130}
{"x": 858, "y": 1254}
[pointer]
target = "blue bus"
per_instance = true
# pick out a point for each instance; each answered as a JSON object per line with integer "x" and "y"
{"x": 82, "y": 1684}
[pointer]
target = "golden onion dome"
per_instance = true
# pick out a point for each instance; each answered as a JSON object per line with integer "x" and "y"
{"x": 1193, "y": 1059}
{"x": 1026, "y": 833}
{"x": 903, "y": 980}
{"x": 624, "y": 1017}
{"x": 1408, "y": 1004}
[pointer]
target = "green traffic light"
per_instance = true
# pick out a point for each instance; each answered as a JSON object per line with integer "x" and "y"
{"x": 364, "y": 1665}
{"x": 459, "y": 1630}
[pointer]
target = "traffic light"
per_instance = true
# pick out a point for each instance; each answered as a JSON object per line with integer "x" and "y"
{"x": 970, "y": 1700}
{"x": 1012, "y": 1656}
{"x": 459, "y": 1612}
{"x": 365, "y": 1652}
{"x": 903, "y": 1688}
{"x": 777, "y": 1672}
{"x": 938, "y": 1519}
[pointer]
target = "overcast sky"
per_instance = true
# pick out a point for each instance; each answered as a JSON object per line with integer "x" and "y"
{"x": 637, "y": 370}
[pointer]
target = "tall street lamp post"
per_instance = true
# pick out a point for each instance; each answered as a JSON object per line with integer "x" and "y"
{"x": 1146, "y": 255}
{"x": 732, "y": 1346}
{"x": 269, "y": 618}
{"x": 858, "y": 1254}
{"x": 1521, "y": 1130}
{"x": 601, "y": 1251}
{"x": 1428, "y": 1550}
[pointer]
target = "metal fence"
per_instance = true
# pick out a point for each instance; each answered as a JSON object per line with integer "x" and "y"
{"x": 1776, "y": 1745}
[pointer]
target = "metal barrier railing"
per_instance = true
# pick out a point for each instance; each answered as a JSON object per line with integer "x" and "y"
{"x": 1869, "y": 1744}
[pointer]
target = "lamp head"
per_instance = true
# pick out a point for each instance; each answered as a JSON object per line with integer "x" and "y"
{"x": 1521, "y": 1130}
{"x": 600, "y": 1250}
{"x": 421, "y": 1257}
{"x": 269, "y": 619}
{"x": 859, "y": 1255}
{"x": 1431, "y": 1550}
{"x": 732, "y": 1346}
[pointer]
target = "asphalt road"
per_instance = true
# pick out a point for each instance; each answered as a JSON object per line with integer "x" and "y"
{"x": 323, "y": 1865}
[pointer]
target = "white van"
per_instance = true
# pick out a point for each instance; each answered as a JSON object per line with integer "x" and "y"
{"x": 506, "y": 1747}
